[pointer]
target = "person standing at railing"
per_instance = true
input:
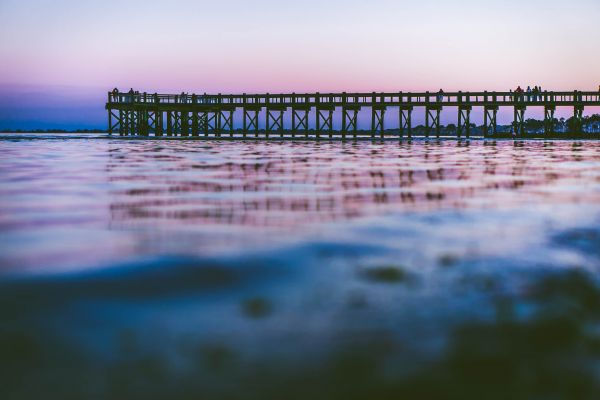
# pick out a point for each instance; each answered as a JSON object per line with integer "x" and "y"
{"x": 115, "y": 95}
{"x": 440, "y": 96}
{"x": 130, "y": 95}
{"x": 518, "y": 93}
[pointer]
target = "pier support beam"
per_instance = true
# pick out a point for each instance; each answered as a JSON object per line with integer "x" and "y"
{"x": 432, "y": 119}
{"x": 349, "y": 120}
{"x": 150, "y": 122}
{"x": 121, "y": 123}
{"x": 377, "y": 119}
{"x": 172, "y": 123}
{"x": 143, "y": 122}
{"x": 129, "y": 123}
{"x": 490, "y": 125}
{"x": 209, "y": 123}
{"x": 110, "y": 124}
{"x": 185, "y": 123}
{"x": 324, "y": 120}
{"x": 464, "y": 121}
{"x": 177, "y": 123}
{"x": 225, "y": 121}
{"x": 406, "y": 121}
{"x": 250, "y": 121}
{"x": 300, "y": 121}
{"x": 146, "y": 123}
{"x": 194, "y": 123}
{"x": 132, "y": 123}
{"x": 203, "y": 123}
{"x": 137, "y": 120}
{"x": 116, "y": 127}
{"x": 147, "y": 120}
{"x": 519, "y": 120}
{"x": 158, "y": 125}
{"x": 125, "y": 122}
{"x": 549, "y": 119}
{"x": 169, "y": 123}
{"x": 578, "y": 118}
{"x": 275, "y": 120}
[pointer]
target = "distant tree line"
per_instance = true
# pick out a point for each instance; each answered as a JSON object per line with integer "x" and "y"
{"x": 589, "y": 124}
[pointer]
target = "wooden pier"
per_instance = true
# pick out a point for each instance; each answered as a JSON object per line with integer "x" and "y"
{"x": 212, "y": 116}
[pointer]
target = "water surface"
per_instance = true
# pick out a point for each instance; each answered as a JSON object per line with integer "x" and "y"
{"x": 134, "y": 267}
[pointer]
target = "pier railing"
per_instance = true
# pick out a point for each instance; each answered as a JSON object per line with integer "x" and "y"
{"x": 366, "y": 99}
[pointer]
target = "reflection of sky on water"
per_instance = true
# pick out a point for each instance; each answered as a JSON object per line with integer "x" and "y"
{"x": 95, "y": 200}
{"x": 280, "y": 253}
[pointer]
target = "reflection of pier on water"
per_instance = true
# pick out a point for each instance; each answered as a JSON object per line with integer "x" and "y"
{"x": 291, "y": 190}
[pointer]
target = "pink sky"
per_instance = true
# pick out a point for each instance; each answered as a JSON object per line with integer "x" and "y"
{"x": 278, "y": 46}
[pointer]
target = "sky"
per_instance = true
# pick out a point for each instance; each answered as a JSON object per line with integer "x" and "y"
{"x": 60, "y": 57}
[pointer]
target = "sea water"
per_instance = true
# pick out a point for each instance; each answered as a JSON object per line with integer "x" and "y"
{"x": 256, "y": 269}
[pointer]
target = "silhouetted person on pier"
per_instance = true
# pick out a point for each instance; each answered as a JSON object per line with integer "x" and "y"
{"x": 131, "y": 94}
{"x": 115, "y": 95}
{"x": 518, "y": 93}
{"x": 440, "y": 96}
{"x": 528, "y": 93}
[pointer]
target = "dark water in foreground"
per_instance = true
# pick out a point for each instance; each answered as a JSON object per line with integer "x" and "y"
{"x": 144, "y": 269}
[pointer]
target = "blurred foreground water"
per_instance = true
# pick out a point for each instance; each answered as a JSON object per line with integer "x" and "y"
{"x": 192, "y": 269}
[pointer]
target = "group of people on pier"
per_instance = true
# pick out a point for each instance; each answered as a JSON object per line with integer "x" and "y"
{"x": 194, "y": 98}
{"x": 128, "y": 97}
{"x": 132, "y": 96}
{"x": 534, "y": 94}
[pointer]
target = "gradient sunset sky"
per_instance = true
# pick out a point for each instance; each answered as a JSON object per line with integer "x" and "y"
{"x": 75, "y": 51}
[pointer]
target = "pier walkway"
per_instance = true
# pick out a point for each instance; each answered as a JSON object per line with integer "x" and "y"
{"x": 209, "y": 115}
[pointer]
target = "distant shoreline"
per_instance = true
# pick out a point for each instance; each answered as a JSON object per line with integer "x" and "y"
{"x": 53, "y": 131}
{"x": 361, "y": 135}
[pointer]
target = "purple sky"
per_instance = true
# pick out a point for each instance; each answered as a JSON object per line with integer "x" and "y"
{"x": 60, "y": 57}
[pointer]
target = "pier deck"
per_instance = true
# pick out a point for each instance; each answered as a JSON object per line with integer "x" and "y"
{"x": 209, "y": 115}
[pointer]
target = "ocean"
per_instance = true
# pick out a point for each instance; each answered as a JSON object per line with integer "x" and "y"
{"x": 134, "y": 268}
